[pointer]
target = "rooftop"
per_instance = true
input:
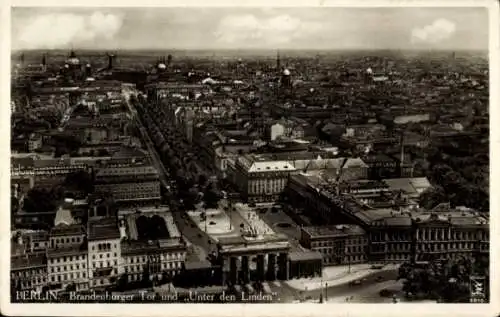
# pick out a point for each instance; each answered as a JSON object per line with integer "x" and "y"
{"x": 103, "y": 229}
{"x": 134, "y": 247}
{"x": 333, "y": 231}
{"x": 305, "y": 256}
{"x": 129, "y": 152}
{"x": 64, "y": 215}
{"x": 126, "y": 170}
{"x": 21, "y": 262}
{"x": 246, "y": 241}
{"x": 67, "y": 251}
{"x": 256, "y": 163}
{"x": 149, "y": 223}
{"x": 413, "y": 185}
{"x": 377, "y": 158}
{"x": 36, "y": 235}
{"x": 67, "y": 230}
{"x": 354, "y": 162}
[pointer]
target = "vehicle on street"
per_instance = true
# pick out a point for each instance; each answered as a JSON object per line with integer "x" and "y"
{"x": 355, "y": 283}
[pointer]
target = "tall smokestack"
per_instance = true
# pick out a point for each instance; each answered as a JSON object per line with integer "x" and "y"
{"x": 44, "y": 63}
{"x": 402, "y": 154}
{"x": 169, "y": 60}
{"x": 111, "y": 57}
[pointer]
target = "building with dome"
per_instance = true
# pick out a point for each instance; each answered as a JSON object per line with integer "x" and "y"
{"x": 73, "y": 60}
{"x": 72, "y": 69}
{"x": 286, "y": 78}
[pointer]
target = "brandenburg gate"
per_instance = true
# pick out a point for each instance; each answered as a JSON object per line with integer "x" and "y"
{"x": 247, "y": 259}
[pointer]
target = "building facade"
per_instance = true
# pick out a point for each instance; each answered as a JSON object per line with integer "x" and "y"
{"x": 67, "y": 257}
{"x": 261, "y": 180}
{"x": 28, "y": 272}
{"x": 104, "y": 253}
{"x": 392, "y": 235}
{"x": 132, "y": 184}
{"x": 162, "y": 260}
{"x": 338, "y": 245}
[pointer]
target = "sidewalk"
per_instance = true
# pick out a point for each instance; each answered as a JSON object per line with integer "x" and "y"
{"x": 337, "y": 275}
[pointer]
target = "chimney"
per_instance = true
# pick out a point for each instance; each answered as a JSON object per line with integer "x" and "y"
{"x": 110, "y": 61}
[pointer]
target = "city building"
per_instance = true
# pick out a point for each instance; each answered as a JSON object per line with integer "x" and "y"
{"x": 394, "y": 234}
{"x": 286, "y": 128}
{"x": 67, "y": 267}
{"x": 381, "y": 166}
{"x": 260, "y": 179}
{"x": 35, "y": 142}
{"x": 36, "y": 242}
{"x": 129, "y": 185}
{"x": 28, "y": 272}
{"x": 150, "y": 243}
{"x": 338, "y": 245}
{"x": 161, "y": 90}
{"x": 305, "y": 264}
{"x": 410, "y": 187}
{"x": 104, "y": 253}
{"x": 67, "y": 253}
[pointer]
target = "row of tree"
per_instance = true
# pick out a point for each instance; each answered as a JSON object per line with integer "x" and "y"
{"x": 181, "y": 159}
{"x": 461, "y": 180}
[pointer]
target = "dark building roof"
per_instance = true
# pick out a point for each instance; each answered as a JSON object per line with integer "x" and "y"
{"x": 21, "y": 262}
{"x": 139, "y": 247}
{"x": 333, "y": 231}
{"x": 67, "y": 251}
{"x": 67, "y": 230}
{"x": 103, "y": 229}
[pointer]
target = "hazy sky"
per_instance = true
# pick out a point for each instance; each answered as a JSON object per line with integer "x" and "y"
{"x": 272, "y": 28}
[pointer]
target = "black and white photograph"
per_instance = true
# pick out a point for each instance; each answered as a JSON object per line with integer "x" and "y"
{"x": 250, "y": 155}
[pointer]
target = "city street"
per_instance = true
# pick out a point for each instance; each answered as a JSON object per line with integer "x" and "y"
{"x": 368, "y": 289}
{"x": 189, "y": 230}
{"x": 155, "y": 158}
{"x": 192, "y": 233}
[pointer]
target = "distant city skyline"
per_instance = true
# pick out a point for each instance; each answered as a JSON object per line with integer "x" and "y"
{"x": 311, "y": 28}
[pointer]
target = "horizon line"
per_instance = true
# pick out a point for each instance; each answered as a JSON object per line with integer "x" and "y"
{"x": 252, "y": 49}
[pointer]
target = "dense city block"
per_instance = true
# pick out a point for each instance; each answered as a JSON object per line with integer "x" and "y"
{"x": 269, "y": 176}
